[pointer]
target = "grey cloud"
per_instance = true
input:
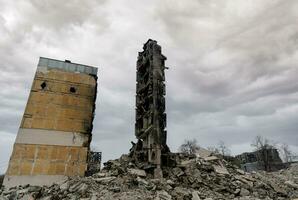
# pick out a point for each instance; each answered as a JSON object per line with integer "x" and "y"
{"x": 50, "y": 15}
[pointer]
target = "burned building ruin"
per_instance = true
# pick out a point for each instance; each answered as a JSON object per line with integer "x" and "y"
{"x": 266, "y": 159}
{"x": 150, "y": 125}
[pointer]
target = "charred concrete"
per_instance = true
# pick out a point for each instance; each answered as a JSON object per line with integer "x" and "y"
{"x": 150, "y": 125}
{"x": 266, "y": 159}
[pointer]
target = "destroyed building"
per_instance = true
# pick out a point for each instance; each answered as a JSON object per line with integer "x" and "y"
{"x": 266, "y": 159}
{"x": 150, "y": 126}
{"x": 94, "y": 162}
{"x": 55, "y": 132}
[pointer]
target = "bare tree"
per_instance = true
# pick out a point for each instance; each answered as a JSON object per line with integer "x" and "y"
{"x": 259, "y": 142}
{"x": 287, "y": 153}
{"x": 189, "y": 146}
{"x": 262, "y": 147}
{"x": 223, "y": 149}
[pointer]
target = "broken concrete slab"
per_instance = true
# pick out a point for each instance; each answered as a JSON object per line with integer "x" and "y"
{"x": 291, "y": 184}
{"x": 244, "y": 192}
{"x": 105, "y": 179}
{"x": 163, "y": 195}
{"x": 211, "y": 158}
{"x": 138, "y": 172}
{"x": 240, "y": 171}
{"x": 203, "y": 153}
{"x": 220, "y": 170}
{"x": 195, "y": 196}
{"x": 187, "y": 162}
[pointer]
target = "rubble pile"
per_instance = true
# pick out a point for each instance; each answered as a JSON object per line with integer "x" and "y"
{"x": 193, "y": 178}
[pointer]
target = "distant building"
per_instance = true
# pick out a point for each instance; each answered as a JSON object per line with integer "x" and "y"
{"x": 55, "y": 133}
{"x": 266, "y": 159}
{"x": 94, "y": 163}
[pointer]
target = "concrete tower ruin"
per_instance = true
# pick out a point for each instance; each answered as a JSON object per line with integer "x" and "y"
{"x": 55, "y": 132}
{"x": 150, "y": 126}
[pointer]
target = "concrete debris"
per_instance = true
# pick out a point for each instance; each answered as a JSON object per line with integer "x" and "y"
{"x": 220, "y": 170}
{"x": 291, "y": 184}
{"x": 191, "y": 179}
{"x": 244, "y": 192}
{"x": 137, "y": 172}
{"x": 195, "y": 196}
{"x": 163, "y": 195}
{"x": 203, "y": 153}
{"x": 187, "y": 162}
{"x": 104, "y": 180}
{"x": 240, "y": 171}
{"x": 64, "y": 186}
{"x": 210, "y": 158}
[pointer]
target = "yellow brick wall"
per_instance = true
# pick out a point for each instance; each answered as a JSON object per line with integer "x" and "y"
{"x": 47, "y": 160}
{"x": 66, "y": 76}
{"x": 55, "y": 107}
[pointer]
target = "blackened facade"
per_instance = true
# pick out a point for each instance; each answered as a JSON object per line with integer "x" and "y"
{"x": 150, "y": 126}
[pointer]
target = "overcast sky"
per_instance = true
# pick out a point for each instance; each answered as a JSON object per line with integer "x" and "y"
{"x": 233, "y": 66}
